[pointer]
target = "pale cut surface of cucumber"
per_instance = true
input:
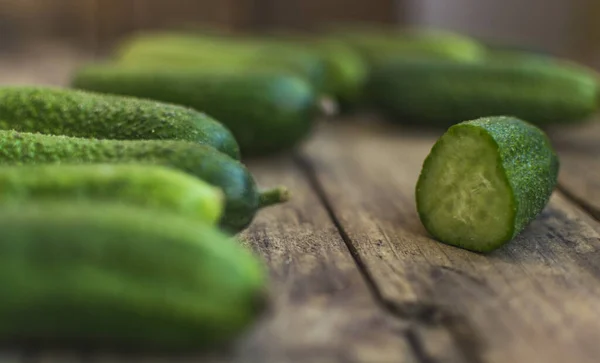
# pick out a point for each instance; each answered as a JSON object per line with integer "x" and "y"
{"x": 464, "y": 197}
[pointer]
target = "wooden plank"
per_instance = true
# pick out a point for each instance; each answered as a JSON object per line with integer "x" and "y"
{"x": 536, "y": 299}
{"x": 580, "y": 139}
{"x": 322, "y": 308}
{"x": 579, "y": 151}
{"x": 580, "y": 179}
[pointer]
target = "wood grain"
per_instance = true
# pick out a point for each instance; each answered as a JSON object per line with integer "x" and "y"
{"x": 322, "y": 308}
{"x": 535, "y": 300}
{"x": 579, "y": 152}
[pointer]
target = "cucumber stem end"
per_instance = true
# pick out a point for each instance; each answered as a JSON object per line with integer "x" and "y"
{"x": 274, "y": 196}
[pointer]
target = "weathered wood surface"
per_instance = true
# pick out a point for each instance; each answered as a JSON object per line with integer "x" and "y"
{"x": 579, "y": 150}
{"x": 355, "y": 278}
{"x": 534, "y": 300}
{"x": 321, "y": 303}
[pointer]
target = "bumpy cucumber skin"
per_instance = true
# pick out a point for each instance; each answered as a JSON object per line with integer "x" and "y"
{"x": 60, "y": 111}
{"x": 206, "y": 163}
{"x": 529, "y": 163}
{"x": 118, "y": 276}
{"x": 147, "y": 186}
{"x": 440, "y": 93}
{"x": 267, "y": 112}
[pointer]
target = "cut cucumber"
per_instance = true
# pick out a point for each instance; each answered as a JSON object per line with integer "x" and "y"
{"x": 484, "y": 181}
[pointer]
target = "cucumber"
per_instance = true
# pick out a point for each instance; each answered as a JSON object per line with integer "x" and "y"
{"x": 146, "y": 186}
{"x": 484, "y": 181}
{"x": 267, "y": 111}
{"x": 376, "y": 44}
{"x": 214, "y": 52}
{"x": 117, "y": 276}
{"x": 62, "y": 111}
{"x": 532, "y": 59}
{"x": 441, "y": 93}
{"x": 347, "y": 72}
{"x": 242, "y": 198}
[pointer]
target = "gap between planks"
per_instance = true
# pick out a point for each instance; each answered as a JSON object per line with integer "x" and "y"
{"x": 486, "y": 303}
{"x": 414, "y": 312}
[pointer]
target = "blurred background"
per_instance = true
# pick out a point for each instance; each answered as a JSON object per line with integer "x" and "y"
{"x": 563, "y": 27}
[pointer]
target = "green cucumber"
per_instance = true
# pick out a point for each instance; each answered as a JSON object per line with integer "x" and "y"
{"x": 484, "y": 181}
{"x": 441, "y": 93}
{"x": 266, "y": 111}
{"x": 62, "y": 111}
{"x": 346, "y": 71}
{"x": 117, "y": 276}
{"x": 242, "y": 198}
{"x": 148, "y": 186}
{"x": 376, "y": 44}
{"x": 213, "y": 52}
{"x": 533, "y": 59}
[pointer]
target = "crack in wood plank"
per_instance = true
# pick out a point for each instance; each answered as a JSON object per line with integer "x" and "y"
{"x": 534, "y": 299}
{"x": 329, "y": 275}
{"x": 415, "y": 312}
{"x": 417, "y": 347}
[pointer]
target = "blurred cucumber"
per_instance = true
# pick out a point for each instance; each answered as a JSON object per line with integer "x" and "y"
{"x": 211, "y": 52}
{"x": 376, "y": 44}
{"x": 442, "y": 93}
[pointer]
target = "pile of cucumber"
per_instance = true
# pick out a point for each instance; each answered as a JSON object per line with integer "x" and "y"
{"x": 119, "y": 220}
{"x": 121, "y": 195}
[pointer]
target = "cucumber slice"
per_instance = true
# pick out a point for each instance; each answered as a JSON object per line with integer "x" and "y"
{"x": 484, "y": 181}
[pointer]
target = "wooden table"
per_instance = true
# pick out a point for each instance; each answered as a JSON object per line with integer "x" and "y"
{"x": 355, "y": 278}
